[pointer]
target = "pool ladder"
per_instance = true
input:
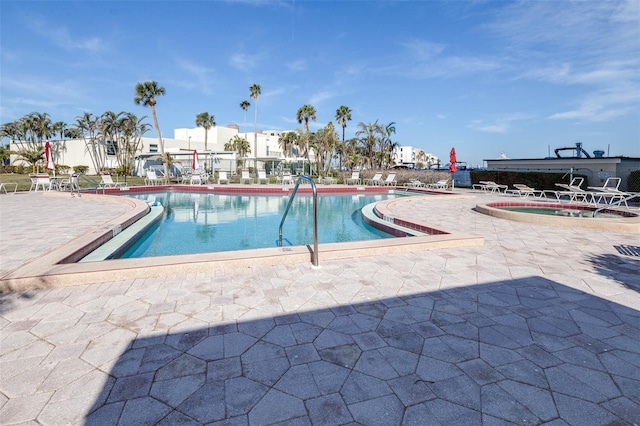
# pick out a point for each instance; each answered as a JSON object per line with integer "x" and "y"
{"x": 315, "y": 215}
{"x": 616, "y": 203}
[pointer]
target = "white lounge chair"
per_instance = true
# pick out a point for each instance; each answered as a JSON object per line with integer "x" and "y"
{"x": 107, "y": 182}
{"x": 490, "y": 186}
{"x": 222, "y": 177}
{"x": 3, "y": 187}
{"x": 262, "y": 177}
{"x": 151, "y": 178}
{"x": 609, "y": 192}
{"x": 525, "y": 191}
{"x": 354, "y": 179}
{"x": 390, "y": 180}
{"x": 246, "y": 178}
{"x": 375, "y": 180}
{"x": 41, "y": 180}
{"x": 441, "y": 184}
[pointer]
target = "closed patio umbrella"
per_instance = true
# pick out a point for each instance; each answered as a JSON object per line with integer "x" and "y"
{"x": 49, "y": 157}
{"x": 452, "y": 161}
{"x": 194, "y": 162}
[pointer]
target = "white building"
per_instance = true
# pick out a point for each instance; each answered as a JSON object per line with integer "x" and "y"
{"x": 413, "y": 157}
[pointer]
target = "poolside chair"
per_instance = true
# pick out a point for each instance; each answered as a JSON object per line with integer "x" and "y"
{"x": 414, "y": 183}
{"x": 40, "y": 180}
{"x": 151, "y": 178}
{"x": 524, "y": 191}
{"x": 490, "y": 186}
{"x": 286, "y": 179}
{"x": 107, "y": 182}
{"x": 375, "y": 180}
{"x": 195, "y": 178}
{"x": 3, "y": 187}
{"x": 608, "y": 193}
{"x": 441, "y": 184}
{"x": 354, "y": 179}
{"x": 222, "y": 177}
{"x": 390, "y": 180}
{"x": 262, "y": 177}
{"x": 573, "y": 191}
{"x": 246, "y": 178}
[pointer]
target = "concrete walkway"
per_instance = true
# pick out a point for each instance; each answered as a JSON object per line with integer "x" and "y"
{"x": 539, "y": 326}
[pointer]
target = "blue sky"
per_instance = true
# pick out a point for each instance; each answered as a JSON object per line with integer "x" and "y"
{"x": 484, "y": 77}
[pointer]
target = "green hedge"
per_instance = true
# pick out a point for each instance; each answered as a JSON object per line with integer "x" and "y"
{"x": 634, "y": 181}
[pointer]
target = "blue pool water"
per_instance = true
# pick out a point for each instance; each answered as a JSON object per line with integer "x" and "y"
{"x": 200, "y": 223}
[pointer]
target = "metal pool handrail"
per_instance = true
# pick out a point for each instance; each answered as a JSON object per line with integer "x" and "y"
{"x": 315, "y": 214}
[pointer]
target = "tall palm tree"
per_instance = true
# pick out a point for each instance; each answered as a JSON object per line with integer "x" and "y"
{"x": 245, "y": 106}
{"x": 255, "y": 91}
{"x": 343, "y": 114}
{"x": 87, "y": 126}
{"x": 369, "y": 136}
{"x": 239, "y": 145}
{"x": 287, "y": 142}
{"x": 306, "y": 112}
{"x": 146, "y": 94}
{"x": 207, "y": 121}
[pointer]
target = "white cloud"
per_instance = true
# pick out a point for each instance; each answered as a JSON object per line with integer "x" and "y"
{"x": 244, "y": 62}
{"x": 61, "y": 37}
{"x": 299, "y": 65}
{"x": 501, "y": 124}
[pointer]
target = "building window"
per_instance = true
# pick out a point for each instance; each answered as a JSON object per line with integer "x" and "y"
{"x": 153, "y": 147}
{"x": 112, "y": 148}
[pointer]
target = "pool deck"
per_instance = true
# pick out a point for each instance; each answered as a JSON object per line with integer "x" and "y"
{"x": 538, "y": 325}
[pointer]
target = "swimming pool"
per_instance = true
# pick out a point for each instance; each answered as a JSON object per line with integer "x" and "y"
{"x": 209, "y": 222}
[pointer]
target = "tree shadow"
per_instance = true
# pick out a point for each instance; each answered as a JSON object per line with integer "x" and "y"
{"x": 527, "y": 350}
{"x": 624, "y": 269}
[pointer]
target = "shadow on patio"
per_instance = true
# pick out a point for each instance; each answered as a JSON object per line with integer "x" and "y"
{"x": 525, "y": 351}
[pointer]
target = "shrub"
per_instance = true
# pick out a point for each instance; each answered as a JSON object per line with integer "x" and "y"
{"x": 80, "y": 169}
{"x": 634, "y": 181}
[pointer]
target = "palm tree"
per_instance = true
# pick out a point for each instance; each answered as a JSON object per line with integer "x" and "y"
{"x": 239, "y": 145}
{"x": 87, "y": 126}
{"x": 255, "y": 90}
{"x": 306, "y": 112}
{"x": 245, "y": 106}
{"x": 369, "y": 136}
{"x": 207, "y": 121}
{"x": 146, "y": 94}
{"x": 343, "y": 114}
{"x": 287, "y": 142}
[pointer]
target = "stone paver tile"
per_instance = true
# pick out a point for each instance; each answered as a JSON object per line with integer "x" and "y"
{"x": 328, "y": 377}
{"x": 26, "y": 382}
{"x": 434, "y": 370}
{"x": 186, "y": 335}
{"x": 145, "y": 410}
{"x": 328, "y": 410}
{"x": 344, "y": 356}
{"x": 305, "y": 333}
{"x": 448, "y": 413}
{"x": 156, "y": 356}
{"x": 411, "y": 389}
{"x": 459, "y": 390}
{"x": 403, "y": 362}
{"x": 375, "y": 364}
{"x": 207, "y": 404}
{"x": 537, "y": 400}
{"x": 24, "y": 408}
{"x": 302, "y": 354}
{"x": 174, "y": 391}
{"x": 360, "y": 387}
{"x": 185, "y": 365}
{"x": 622, "y": 364}
{"x": 331, "y": 338}
{"x": 383, "y": 411}
{"x": 108, "y": 414}
{"x": 241, "y": 395}
{"x": 580, "y": 412}
{"x": 481, "y": 372}
{"x": 420, "y": 415}
{"x": 64, "y": 373}
{"x": 298, "y": 381}
{"x": 624, "y": 408}
{"x": 525, "y": 372}
{"x": 539, "y": 356}
{"x": 127, "y": 388}
{"x": 267, "y": 372}
{"x": 178, "y": 418}
{"x": 275, "y": 407}
{"x": 370, "y": 340}
{"x": 224, "y": 369}
{"x": 94, "y": 384}
{"x": 31, "y": 348}
{"x": 261, "y": 351}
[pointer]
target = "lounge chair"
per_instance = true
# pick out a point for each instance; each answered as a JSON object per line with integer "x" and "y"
{"x": 41, "y": 180}
{"x": 390, "y": 180}
{"x": 262, "y": 177}
{"x": 222, "y": 177}
{"x": 107, "y": 182}
{"x": 354, "y": 179}
{"x": 3, "y": 187}
{"x": 609, "y": 192}
{"x": 525, "y": 191}
{"x": 246, "y": 178}
{"x": 414, "y": 183}
{"x": 441, "y": 184}
{"x": 284, "y": 179}
{"x": 375, "y": 180}
{"x": 195, "y": 178}
{"x": 151, "y": 178}
{"x": 489, "y": 186}
{"x": 573, "y": 191}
